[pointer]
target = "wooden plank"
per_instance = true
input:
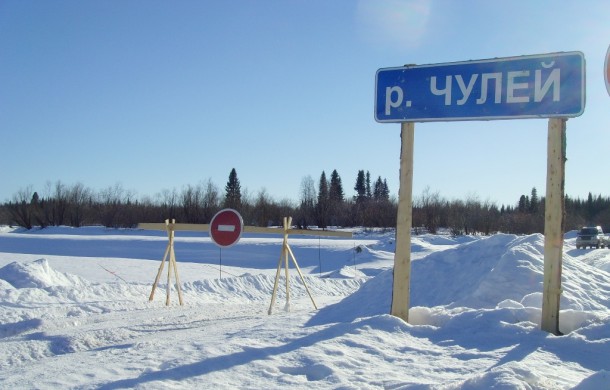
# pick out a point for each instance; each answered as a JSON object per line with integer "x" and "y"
{"x": 197, "y": 227}
{"x": 554, "y": 215}
{"x": 247, "y": 229}
{"x": 402, "y": 256}
{"x": 323, "y": 233}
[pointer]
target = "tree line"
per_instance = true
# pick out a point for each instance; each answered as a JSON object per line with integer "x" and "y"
{"x": 322, "y": 204}
{"x": 432, "y": 212}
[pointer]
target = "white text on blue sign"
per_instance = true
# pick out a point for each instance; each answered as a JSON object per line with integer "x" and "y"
{"x": 551, "y": 85}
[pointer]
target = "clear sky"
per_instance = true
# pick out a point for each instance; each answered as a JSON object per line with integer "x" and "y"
{"x": 157, "y": 95}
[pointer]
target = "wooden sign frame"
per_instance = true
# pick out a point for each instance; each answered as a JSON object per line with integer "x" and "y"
{"x": 553, "y": 225}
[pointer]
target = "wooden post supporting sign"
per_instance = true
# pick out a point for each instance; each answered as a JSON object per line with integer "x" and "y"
{"x": 402, "y": 256}
{"x": 411, "y": 94}
{"x": 554, "y": 224}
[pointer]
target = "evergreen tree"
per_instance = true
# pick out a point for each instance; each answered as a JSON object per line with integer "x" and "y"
{"x": 360, "y": 187}
{"x": 35, "y": 199}
{"x": 524, "y": 204}
{"x": 335, "y": 193}
{"x": 323, "y": 202}
{"x": 323, "y": 193}
{"x": 336, "y": 200}
{"x": 378, "y": 189}
{"x": 534, "y": 201}
{"x": 590, "y": 212}
{"x": 386, "y": 190}
{"x": 369, "y": 195}
{"x": 233, "y": 192}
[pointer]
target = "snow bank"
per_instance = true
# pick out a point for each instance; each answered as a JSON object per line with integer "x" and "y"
{"x": 37, "y": 274}
{"x": 502, "y": 272}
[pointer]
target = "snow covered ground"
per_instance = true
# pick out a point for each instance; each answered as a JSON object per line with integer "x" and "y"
{"x": 74, "y": 313}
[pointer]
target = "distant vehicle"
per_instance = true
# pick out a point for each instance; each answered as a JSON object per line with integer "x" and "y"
{"x": 591, "y": 237}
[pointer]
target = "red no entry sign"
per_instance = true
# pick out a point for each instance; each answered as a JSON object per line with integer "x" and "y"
{"x": 226, "y": 227}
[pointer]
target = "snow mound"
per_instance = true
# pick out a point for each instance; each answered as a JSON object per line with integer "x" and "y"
{"x": 488, "y": 273}
{"x": 260, "y": 287}
{"x": 37, "y": 274}
{"x": 483, "y": 273}
{"x": 346, "y": 273}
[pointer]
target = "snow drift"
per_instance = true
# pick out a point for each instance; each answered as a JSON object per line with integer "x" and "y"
{"x": 74, "y": 321}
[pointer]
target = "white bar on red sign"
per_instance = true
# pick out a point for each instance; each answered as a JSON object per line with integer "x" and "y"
{"x": 226, "y": 228}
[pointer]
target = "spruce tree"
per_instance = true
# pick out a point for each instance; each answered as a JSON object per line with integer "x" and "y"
{"x": 323, "y": 202}
{"x": 360, "y": 187}
{"x": 378, "y": 189}
{"x": 534, "y": 201}
{"x": 335, "y": 192}
{"x": 233, "y": 191}
{"x": 386, "y": 190}
{"x": 523, "y": 204}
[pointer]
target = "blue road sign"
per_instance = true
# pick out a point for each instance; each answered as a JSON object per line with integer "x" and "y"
{"x": 537, "y": 86}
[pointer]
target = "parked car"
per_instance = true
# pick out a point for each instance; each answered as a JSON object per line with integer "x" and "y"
{"x": 591, "y": 237}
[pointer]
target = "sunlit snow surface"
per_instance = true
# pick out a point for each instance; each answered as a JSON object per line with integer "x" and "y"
{"x": 75, "y": 313}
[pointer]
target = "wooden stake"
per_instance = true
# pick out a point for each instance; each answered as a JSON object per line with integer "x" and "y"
{"x": 275, "y": 284}
{"x": 402, "y": 257}
{"x": 170, "y": 266}
{"x": 294, "y": 260}
{"x": 152, "y": 293}
{"x": 170, "y": 256}
{"x": 285, "y": 252}
{"x": 554, "y": 224}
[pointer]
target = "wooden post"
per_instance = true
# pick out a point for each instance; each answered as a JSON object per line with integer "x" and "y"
{"x": 553, "y": 224}
{"x": 285, "y": 252}
{"x": 287, "y": 224}
{"x": 152, "y": 292}
{"x": 404, "y": 222}
{"x": 275, "y": 284}
{"x": 175, "y": 264}
{"x": 296, "y": 265}
{"x": 170, "y": 256}
{"x": 283, "y": 260}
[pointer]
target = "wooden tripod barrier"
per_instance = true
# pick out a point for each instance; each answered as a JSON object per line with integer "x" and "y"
{"x": 169, "y": 251}
{"x": 286, "y": 251}
{"x": 284, "y": 260}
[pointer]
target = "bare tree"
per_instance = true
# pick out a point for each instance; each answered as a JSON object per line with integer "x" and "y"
{"x": 211, "y": 200}
{"x": 112, "y": 202}
{"x": 79, "y": 197}
{"x": 430, "y": 204}
{"x": 169, "y": 204}
{"x": 191, "y": 199}
{"x": 263, "y": 209}
{"x": 20, "y": 207}
{"x": 56, "y": 204}
{"x": 306, "y": 213}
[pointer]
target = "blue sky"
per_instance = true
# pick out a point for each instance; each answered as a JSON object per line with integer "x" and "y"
{"x": 157, "y": 95}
